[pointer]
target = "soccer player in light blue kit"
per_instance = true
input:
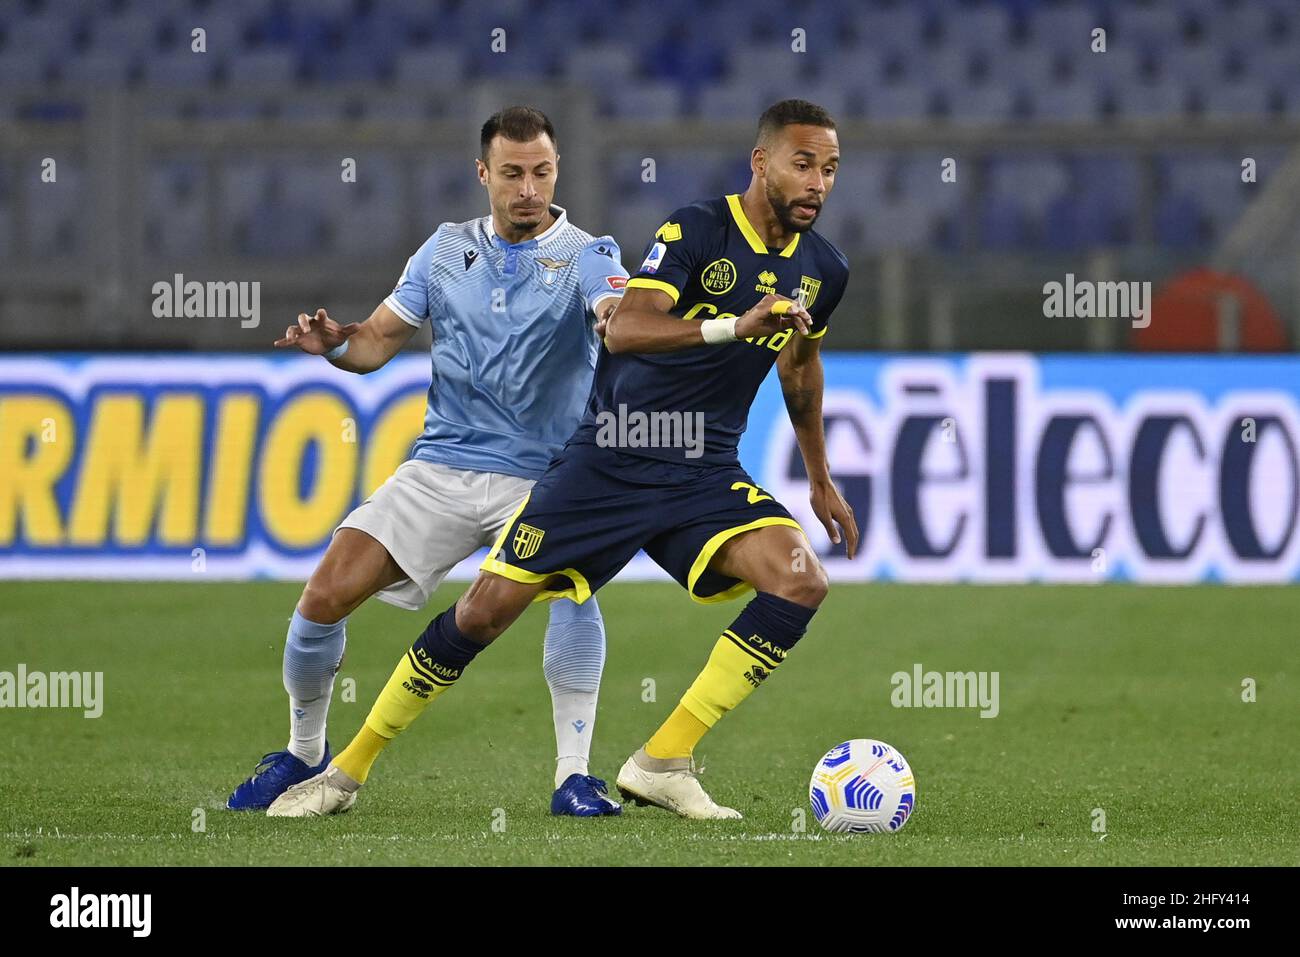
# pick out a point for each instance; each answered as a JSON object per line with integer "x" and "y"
{"x": 510, "y": 297}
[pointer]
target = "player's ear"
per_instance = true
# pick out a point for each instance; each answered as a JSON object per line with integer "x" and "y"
{"x": 481, "y": 168}
{"x": 758, "y": 160}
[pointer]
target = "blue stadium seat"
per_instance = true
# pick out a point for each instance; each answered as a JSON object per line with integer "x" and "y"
{"x": 1146, "y": 25}
{"x": 1166, "y": 98}
{"x": 446, "y": 192}
{"x": 1031, "y": 182}
{"x": 898, "y": 101}
{"x": 55, "y": 233}
{"x": 917, "y": 174}
{"x": 948, "y": 67}
{"x": 1215, "y": 183}
{"x": 1277, "y": 67}
{"x": 1179, "y": 223}
{"x": 860, "y": 181}
{"x": 129, "y": 33}
{"x": 983, "y": 26}
{"x": 733, "y": 100}
{"x": 279, "y": 227}
{"x": 981, "y": 105}
{"x": 440, "y": 68}
{"x": 263, "y": 67}
{"x": 175, "y": 214}
{"x": 97, "y": 70}
{"x": 1116, "y": 177}
{"x": 1202, "y": 64}
{"x": 1003, "y": 223}
{"x": 1116, "y": 69}
{"x": 50, "y": 34}
{"x": 643, "y": 101}
{"x": 837, "y": 98}
{"x": 764, "y": 63}
{"x": 23, "y": 68}
{"x": 601, "y": 64}
{"x": 1236, "y": 99}
{"x": 1250, "y": 25}
{"x": 633, "y": 223}
{"x": 1075, "y": 102}
{"x": 858, "y": 68}
{"x": 1065, "y": 26}
{"x": 898, "y": 223}
{"x": 1029, "y": 68}
{"x": 899, "y": 26}
{"x": 179, "y": 69}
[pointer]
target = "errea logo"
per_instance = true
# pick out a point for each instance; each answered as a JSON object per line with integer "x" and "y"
{"x": 766, "y": 283}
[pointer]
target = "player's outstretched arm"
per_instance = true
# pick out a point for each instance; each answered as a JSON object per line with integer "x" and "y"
{"x": 802, "y": 383}
{"x": 642, "y": 323}
{"x": 370, "y": 344}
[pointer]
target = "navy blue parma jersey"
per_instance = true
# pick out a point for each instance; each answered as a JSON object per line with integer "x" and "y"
{"x": 709, "y": 258}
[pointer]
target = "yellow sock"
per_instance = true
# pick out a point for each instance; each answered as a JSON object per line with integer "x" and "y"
{"x": 733, "y": 671}
{"x": 410, "y": 689}
{"x": 678, "y": 736}
{"x": 356, "y": 759}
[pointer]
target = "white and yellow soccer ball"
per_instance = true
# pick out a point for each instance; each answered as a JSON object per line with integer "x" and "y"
{"x": 862, "y": 786}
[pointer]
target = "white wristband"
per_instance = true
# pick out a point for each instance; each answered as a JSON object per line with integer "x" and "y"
{"x": 337, "y": 350}
{"x": 717, "y": 331}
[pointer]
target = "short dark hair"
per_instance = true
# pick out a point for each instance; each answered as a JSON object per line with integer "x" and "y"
{"x": 791, "y": 112}
{"x": 516, "y": 123}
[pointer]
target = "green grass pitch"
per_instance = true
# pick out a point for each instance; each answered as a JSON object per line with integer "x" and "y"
{"x": 1115, "y": 697}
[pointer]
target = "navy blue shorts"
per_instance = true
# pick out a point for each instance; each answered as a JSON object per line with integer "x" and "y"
{"x": 595, "y": 507}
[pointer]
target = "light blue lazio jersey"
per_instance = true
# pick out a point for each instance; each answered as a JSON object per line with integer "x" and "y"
{"x": 514, "y": 343}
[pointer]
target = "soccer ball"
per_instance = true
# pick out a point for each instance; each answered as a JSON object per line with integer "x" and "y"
{"x": 862, "y": 786}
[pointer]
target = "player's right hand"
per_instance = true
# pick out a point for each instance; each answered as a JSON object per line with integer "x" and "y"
{"x": 316, "y": 334}
{"x": 763, "y": 321}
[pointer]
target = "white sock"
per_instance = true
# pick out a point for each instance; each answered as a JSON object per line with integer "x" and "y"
{"x": 575, "y": 714}
{"x": 312, "y": 652}
{"x": 573, "y": 657}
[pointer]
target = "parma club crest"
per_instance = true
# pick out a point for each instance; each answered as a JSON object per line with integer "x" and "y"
{"x": 527, "y": 540}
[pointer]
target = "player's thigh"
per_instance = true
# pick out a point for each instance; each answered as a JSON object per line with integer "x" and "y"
{"x": 493, "y": 603}
{"x": 354, "y": 567}
{"x": 776, "y": 559}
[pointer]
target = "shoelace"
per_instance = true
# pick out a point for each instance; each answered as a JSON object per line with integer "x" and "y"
{"x": 597, "y": 783}
{"x": 268, "y": 761}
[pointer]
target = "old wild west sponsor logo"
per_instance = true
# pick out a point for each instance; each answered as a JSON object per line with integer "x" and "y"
{"x": 718, "y": 276}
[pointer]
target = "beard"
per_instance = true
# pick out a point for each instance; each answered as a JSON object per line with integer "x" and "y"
{"x": 528, "y": 220}
{"x": 785, "y": 215}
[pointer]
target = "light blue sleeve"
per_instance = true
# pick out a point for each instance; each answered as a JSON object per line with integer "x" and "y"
{"x": 600, "y": 271}
{"x": 410, "y": 297}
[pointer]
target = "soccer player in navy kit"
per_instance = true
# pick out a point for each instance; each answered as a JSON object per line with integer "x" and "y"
{"x": 728, "y": 287}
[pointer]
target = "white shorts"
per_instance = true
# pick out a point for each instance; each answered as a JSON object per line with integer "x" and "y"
{"x": 430, "y": 517}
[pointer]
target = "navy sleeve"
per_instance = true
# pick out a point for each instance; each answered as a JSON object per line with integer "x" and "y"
{"x": 676, "y": 252}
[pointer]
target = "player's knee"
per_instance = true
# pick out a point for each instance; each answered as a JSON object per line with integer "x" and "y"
{"x": 808, "y": 587}
{"x": 322, "y": 604}
{"x": 482, "y": 619}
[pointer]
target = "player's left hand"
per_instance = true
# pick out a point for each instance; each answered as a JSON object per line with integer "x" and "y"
{"x": 832, "y": 511}
{"x": 606, "y": 309}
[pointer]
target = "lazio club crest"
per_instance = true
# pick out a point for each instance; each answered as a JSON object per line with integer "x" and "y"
{"x": 551, "y": 269}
